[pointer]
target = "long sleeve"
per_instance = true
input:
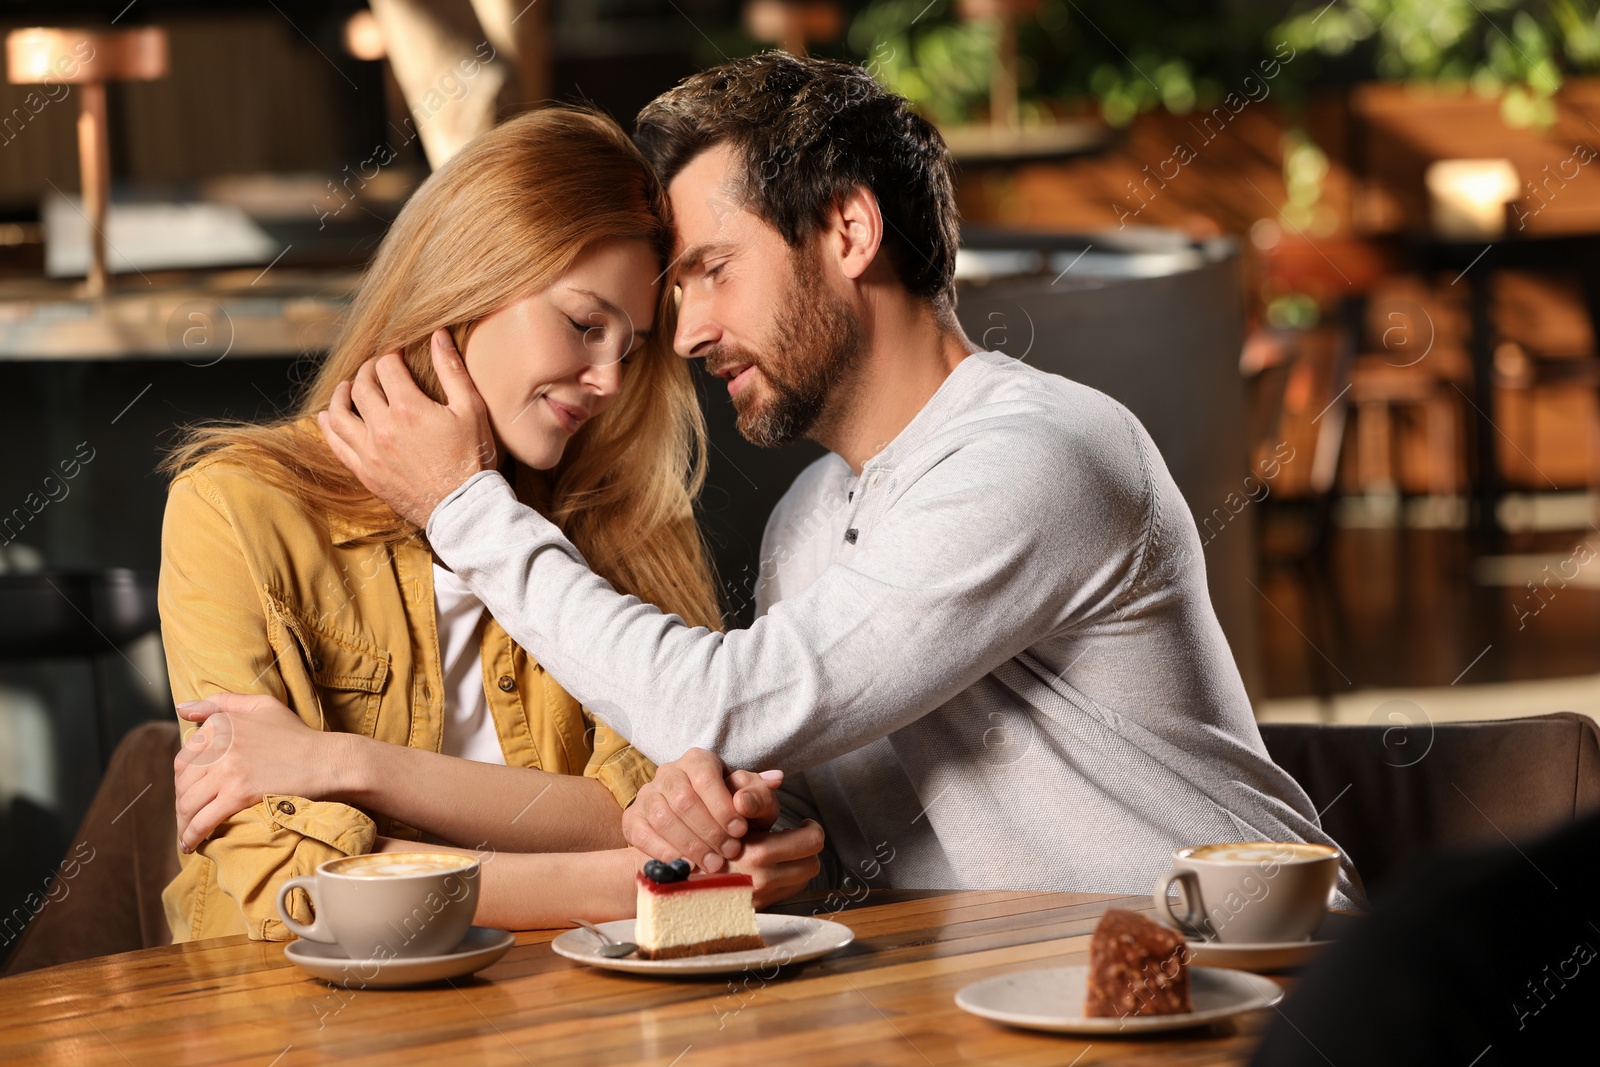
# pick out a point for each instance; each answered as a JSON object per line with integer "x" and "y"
{"x": 944, "y": 586}
{"x": 995, "y": 640}
{"x": 220, "y": 637}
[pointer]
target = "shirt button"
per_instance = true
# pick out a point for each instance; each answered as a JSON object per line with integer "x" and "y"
{"x": 507, "y": 683}
{"x": 286, "y": 807}
{"x": 850, "y": 536}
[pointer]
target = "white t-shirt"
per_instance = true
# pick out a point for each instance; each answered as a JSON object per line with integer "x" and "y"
{"x": 468, "y": 727}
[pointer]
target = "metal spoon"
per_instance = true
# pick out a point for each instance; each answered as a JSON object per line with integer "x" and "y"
{"x": 611, "y": 950}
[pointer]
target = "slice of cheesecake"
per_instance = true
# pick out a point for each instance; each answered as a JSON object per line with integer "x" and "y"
{"x": 696, "y": 916}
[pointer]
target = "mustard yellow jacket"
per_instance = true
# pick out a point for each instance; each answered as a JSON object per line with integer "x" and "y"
{"x": 258, "y": 596}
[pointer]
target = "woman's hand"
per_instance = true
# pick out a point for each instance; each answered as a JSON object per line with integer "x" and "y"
{"x": 246, "y": 747}
{"x": 781, "y": 862}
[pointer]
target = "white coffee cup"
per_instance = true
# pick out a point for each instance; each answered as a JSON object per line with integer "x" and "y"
{"x": 388, "y": 905}
{"x": 1250, "y": 892}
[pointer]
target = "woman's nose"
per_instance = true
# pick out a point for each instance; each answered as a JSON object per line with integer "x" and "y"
{"x": 605, "y": 379}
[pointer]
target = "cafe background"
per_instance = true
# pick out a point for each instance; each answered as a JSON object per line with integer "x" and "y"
{"x": 1341, "y": 258}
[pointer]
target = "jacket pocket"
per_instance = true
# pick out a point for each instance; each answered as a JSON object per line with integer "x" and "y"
{"x": 347, "y": 674}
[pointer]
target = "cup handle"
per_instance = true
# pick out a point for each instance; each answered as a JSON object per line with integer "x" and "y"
{"x": 318, "y": 930}
{"x": 1189, "y": 887}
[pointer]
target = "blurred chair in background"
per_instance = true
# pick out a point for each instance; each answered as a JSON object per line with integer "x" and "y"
{"x": 1395, "y": 796}
{"x": 1547, "y": 368}
{"x": 106, "y": 894}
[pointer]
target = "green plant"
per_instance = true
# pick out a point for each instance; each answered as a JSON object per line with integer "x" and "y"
{"x": 1122, "y": 59}
{"x": 1516, "y": 50}
{"x": 940, "y": 65}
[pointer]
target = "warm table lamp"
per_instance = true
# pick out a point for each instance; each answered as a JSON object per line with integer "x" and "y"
{"x": 88, "y": 60}
{"x": 1469, "y": 196}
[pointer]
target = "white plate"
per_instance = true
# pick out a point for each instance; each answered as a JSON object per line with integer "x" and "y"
{"x": 1263, "y": 958}
{"x": 1052, "y": 999}
{"x": 789, "y": 938}
{"x": 1274, "y": 956}
{"x": 481, "y": 947}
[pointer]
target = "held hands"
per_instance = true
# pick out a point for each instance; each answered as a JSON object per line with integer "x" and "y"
{"x": 409, "y": 451}
{"x": 246, "y": 747}
{"x": 697, "y": 809}
{"x": 780, "y": 862}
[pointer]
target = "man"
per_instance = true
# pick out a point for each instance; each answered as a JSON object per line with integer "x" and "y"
{"x": 984, "y": 632}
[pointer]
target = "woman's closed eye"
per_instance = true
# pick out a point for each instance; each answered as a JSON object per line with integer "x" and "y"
{"x": 586, "y": 328}
{"x": 605, "y": 340}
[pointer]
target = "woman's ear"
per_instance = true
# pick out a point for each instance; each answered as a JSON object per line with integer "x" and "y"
{"x": 460, "y": 333}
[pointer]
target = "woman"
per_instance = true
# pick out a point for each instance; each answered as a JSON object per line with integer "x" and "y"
{"x": 538, "y": 249}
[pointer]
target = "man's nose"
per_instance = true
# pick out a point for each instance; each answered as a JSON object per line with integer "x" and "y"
{"x": 697, "y": 329}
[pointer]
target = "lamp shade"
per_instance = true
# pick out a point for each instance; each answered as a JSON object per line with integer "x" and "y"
{"x": 1469, "y": 196}
{"x": 80, "y": 57}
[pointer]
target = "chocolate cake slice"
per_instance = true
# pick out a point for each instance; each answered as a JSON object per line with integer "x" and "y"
{"x": 1136, "y": 967}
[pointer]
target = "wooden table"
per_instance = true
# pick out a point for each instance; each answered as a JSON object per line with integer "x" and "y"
{"x": 886, "y": 1000}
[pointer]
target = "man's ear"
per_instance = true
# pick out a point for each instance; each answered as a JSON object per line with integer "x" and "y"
{"x": 857, "y": 231}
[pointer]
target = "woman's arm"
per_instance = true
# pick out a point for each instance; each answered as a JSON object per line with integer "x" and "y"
{"x": 262, "y": 747}
{"x": 509, "y": 809}
{"x": 216, "y": 634}
{"x": 542, "y": 892}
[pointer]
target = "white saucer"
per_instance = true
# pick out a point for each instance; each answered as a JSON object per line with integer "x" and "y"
{"x": 789, "y": 938}
{"x": 1052, "y": 999}
{"x": 1269, "y": 957}
{"x": 481, "y": 947}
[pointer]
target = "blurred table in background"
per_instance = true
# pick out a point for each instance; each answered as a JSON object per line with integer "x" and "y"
{"x": 244, "y": 313}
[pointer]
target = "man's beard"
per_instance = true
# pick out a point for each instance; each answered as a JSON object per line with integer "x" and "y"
{"x": 815, "y": 343}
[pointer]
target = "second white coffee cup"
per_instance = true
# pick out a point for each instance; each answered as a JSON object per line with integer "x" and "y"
{"x": 1250, "y": 892}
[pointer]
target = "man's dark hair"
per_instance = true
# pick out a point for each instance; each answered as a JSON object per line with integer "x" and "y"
{"x": 807, "y": 132}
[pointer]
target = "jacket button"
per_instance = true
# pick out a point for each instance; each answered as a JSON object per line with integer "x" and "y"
{"x": 287, "y": 807}
{"x": 507, "y": 683}
{"x": 316, "y": 663}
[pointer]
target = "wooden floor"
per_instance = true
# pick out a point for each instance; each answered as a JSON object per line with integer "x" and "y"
{"x": 1387, "y": 608}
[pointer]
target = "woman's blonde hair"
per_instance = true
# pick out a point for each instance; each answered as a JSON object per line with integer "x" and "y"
{"x": 507, "y": 216}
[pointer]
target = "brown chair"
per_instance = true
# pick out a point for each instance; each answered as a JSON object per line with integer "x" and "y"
{"x": 1393, "y": 796}
{"x": 106, "y": 896}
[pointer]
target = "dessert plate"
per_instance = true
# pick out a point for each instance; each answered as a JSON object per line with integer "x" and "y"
{"x": 1051, "y": 999}
{"x": 1275, "y": 956}
{"x": 789, "y": 938}
{"x": 481, "y": 947}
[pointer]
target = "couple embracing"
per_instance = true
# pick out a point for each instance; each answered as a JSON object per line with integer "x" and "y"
{"x": 462, "y": 598}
